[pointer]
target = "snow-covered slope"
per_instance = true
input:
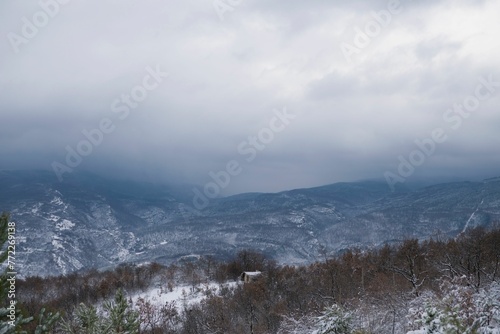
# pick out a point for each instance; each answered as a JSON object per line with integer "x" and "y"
{"x": 88, "y": 221}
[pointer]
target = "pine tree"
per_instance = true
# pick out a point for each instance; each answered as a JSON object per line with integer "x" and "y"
{"x": 117, "y": 318}
{"x": 334, "y": 321}
{"x": 121, "y": 318}
{"x": 86, "y": 321}
{"x": 46, "y": 322}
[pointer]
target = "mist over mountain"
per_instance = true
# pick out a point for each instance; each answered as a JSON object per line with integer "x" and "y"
{"x": 179, "y": 89}
{"x": 92, "y": 222}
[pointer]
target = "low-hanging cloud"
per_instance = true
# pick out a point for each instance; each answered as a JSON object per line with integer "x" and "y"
{"x": 225, "y": 78}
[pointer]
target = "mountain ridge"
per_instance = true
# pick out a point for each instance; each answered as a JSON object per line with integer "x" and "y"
{"x": 92, "y": 222}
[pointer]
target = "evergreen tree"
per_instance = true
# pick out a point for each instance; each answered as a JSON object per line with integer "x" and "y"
{"x": 86, "y": 321}
{"x": 334, "y": 321}
{"x": 121, "y": 318}
{"x": 117, "y": 318}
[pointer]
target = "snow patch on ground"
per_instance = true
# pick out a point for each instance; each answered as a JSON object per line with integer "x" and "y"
{"x": 65, "y": 225}
{"x": 183, "y": 295}
{"x": 56, "y": 243}
{"x": 322, "y": 209}
{"x": 53, "y": 218}
{"x": 231, "y": 239}
{"x": 297, "y": 219}
{"x": 36, "y": 209}
{"x": 60, "y": 263}
{"x": 57, "y": 201}
{"x": 75, "y": 263}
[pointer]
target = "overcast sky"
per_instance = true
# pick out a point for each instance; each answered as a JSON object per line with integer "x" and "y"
{"x": 358, "y": 101}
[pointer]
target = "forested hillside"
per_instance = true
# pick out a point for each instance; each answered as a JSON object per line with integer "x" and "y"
{"x": 418, "y": 287}
{"x": 91, "y": 222}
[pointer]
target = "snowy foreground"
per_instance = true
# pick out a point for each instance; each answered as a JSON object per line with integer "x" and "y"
{"x": 463, "y": 310}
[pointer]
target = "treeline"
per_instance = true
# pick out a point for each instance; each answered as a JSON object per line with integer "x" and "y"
{"x": 381, "y": 283}
{"x": 385, "y": 279}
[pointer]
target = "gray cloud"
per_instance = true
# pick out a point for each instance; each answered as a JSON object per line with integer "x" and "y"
{"x": 225, "y": 78}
